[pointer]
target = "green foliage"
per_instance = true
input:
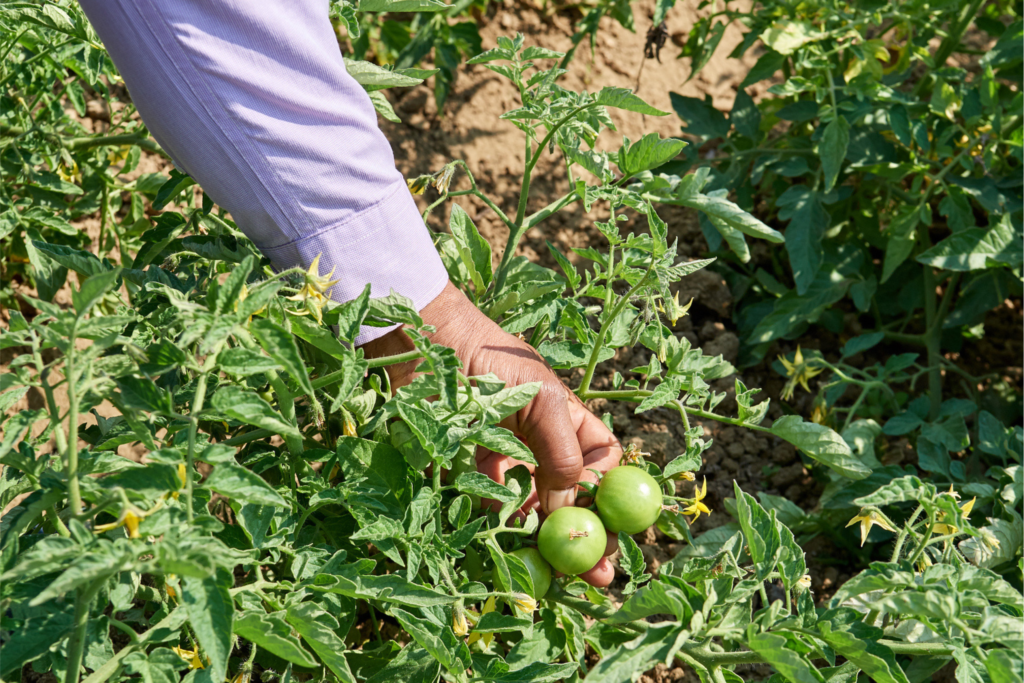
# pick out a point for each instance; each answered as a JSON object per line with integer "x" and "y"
{"x": 283, "y": 516}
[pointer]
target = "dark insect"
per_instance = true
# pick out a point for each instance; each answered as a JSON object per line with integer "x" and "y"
{"x": 656, "y": 37}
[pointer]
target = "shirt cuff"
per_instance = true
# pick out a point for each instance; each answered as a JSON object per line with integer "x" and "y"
{"x": 386, "y": 245}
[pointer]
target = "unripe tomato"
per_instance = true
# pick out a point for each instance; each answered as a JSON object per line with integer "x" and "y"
{"x": 628, "y": 499}
{"x": 540, "y": 572}
{"x": 572, "y": 540}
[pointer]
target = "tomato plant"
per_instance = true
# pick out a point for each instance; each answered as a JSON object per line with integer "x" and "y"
{"x": 281, "y": 523}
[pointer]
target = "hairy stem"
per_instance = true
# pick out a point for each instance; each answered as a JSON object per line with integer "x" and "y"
{"x": 605, "y": 324}
{"x": 76, "y": 644}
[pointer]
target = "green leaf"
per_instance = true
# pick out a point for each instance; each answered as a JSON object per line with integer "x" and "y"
{"x": 473, "y": 248}
{"x": 632, "y": 562}
{"x": 161, "y": 665}
{"x": 479, "y": 484}
{"x": 49, "y": 275}
{"x": 281, "y": 346}
{"x": 502, "y": 441}
{"x": 977, "y": 248}
{"x": 832, "y": 149}
{"x": 144, "y": 394}
{"x": 92, "y": 290}
{"x": 804, "y": 235}
{"x": 498, "y": 671}
{"x": 786, "y": 36}
{"x": 242, "y": 362}
{"x": 701, "y": 118}
{"x": 822, "y": 444}
{"x": 1004, "y": 666}
{"x": 317, "y": 628}
{"x": 766, "y": 66}
{"x": 658, "y": 597}
{"x": 210, "y": 612}
{"x": 272, "y": 633}
{"x": 664, "y": 393}
{"x": 935, "y": 604}
{"x": 245, "y": 406}
{"x": 780, "y": 653}
{"x": 792, "y": 565}
{"x": 34, "y": 638}
{"x": 621, "y": 98}
{"x": 659, "y": 643}
{"x": 760, "y": 529}
{"x": 722, "y": 209}
{"x": 238, "y": 483}
{"x": 441, "y": 643}
{"x": 402, "y": 6}
{"x": 860, "y": 645}
{"x": 745, "y": 116}
{"x": 902, "y": 236}
{"x": 373, "y": 77}
{"x": 648, "y": 152}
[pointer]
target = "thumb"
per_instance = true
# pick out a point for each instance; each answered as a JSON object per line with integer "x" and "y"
{"x": 547, "y": 426}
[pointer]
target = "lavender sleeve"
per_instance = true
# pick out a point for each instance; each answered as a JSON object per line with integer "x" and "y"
{"x": 251, "y": 98}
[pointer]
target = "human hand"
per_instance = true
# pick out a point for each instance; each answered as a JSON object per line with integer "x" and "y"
{"x": 566, "y": 439}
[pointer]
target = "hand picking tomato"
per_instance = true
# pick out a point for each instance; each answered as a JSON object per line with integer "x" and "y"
{"x": 628, "y": 499}
{"x": 572, "y": 540}
{"x": 540, "y": 572}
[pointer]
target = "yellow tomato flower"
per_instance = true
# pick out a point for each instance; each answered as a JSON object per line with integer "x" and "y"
{"x": 117, "y": 154}
{"x": 866, "y": 519}
{"x": 672, "y": 310}
{"x": 632, "y": 455}
{"x": 129, "y": 519}
{"x": 315, "y": 293}
{"x": 525, "y": 602}
{"x": 69, "y": 175}
{"x": 698, "y": 507}
{"x": 242, "y": 296}
{"x": 945, "y": 529}
{"x": 487, "y": 638}
{"x": 798, "y": 372}
{"x": 459, "y": 624}
{"x": 419, "y": 184}
{"x": 686, "y": 476}
{"x": 190, "y": 656}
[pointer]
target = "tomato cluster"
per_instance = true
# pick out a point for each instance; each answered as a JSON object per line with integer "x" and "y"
{"x": 573, "y": 539}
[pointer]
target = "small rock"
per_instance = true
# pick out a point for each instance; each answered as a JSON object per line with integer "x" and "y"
{"x": 730, "y": 465}
{"x": 711, "y": 329}
{"x": 788, "y": 475}
{"x": 97, "y": 110}
{"x": 726, "y": 345}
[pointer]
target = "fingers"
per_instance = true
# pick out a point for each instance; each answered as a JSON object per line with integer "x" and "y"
{"x": 601, "y": 575}
{"x": 601, "y": 450}
{"x": 495, "y": 465}
{"x": 550, "y": 433}
{"x": 612, "y": 544}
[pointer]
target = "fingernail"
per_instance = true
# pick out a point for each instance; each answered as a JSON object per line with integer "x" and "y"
{"x": 560, "y": 499}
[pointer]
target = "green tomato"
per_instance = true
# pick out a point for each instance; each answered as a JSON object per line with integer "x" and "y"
{"x": 540, "y": 572}
{"x": 572, "y": 540}
{"x": 628, "y": 499}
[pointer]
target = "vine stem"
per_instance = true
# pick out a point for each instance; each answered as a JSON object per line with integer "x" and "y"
{"x": 637, "y": 395}
{"x": 76, "y": 645}
{"x": 71, "y": 452}
{"x": 584, "y": 388}
{"x": 193, "y": 428}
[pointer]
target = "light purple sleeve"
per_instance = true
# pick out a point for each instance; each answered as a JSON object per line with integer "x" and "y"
{"x": 251, "y": 98}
